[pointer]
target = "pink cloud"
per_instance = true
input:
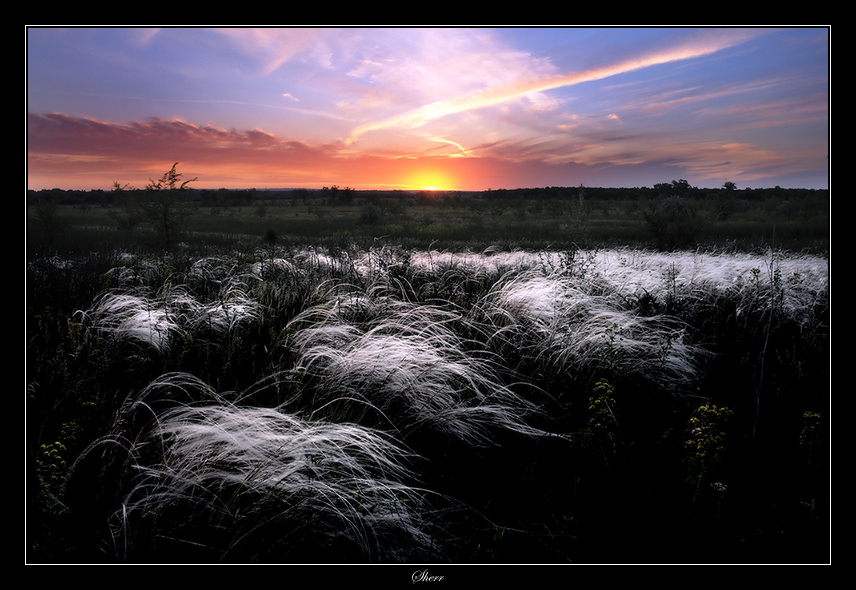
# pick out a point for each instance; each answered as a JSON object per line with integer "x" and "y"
{"x": 59, "y": 145}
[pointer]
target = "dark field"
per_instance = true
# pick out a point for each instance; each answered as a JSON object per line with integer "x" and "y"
{"x": 534, "y": 219}
{"x": 552, "y": 376}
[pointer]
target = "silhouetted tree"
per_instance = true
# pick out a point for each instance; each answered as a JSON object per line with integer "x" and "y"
{"x": 171, "y": 180}
{"x": 339, "y": 195}
{"x": 676, "y": 187}
{"x": 164, "y": 209}
{"x": 726, "y": 204}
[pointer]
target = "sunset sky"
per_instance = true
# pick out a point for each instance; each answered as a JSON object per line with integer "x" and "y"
{"x": 412, "y": 108}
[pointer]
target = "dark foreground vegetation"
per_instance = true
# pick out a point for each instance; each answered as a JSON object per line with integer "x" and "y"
{"x": 336, "y": 376}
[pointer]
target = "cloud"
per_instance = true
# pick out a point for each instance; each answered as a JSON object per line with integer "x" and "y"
{"x": 59, "y": 144}
{"x": 461, "y": 150}
{"x": 705, "y": 43}
{"x": 63, "y": 134}
{"x": 272, "y": 47}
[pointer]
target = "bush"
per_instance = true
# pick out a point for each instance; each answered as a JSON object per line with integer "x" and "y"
{"x": 673, "y": 223}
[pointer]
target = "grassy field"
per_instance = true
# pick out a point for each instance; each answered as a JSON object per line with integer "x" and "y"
{"x": 426, "y": 381}
{"x": 538, "y": 219}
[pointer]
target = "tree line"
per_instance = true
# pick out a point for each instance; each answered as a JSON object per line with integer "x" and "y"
{"x": 673, "y": 212}
{"x": 243, "y": 197}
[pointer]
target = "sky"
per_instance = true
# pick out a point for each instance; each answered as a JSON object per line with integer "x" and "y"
{"x": 416, "y": 108}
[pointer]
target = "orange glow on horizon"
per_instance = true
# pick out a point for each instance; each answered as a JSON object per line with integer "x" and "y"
{"x": 430, "y": 180}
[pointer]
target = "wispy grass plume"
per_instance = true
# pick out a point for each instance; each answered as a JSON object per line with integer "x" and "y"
{"x": 406, "y": 366}
{"x": 546, "y": 322}
{"x": 259, "y": 484}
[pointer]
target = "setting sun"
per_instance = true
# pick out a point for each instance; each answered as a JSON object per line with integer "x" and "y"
{"x": 431, "y": 180}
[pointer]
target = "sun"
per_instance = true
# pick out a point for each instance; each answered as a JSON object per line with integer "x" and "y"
{"x": 431, "y": 181}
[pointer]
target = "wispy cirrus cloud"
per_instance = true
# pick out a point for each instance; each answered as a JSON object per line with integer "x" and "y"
{"x": 705, "y": 43}
{"x": 272, "y": 47}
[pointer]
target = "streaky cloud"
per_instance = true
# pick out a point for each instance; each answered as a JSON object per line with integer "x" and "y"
{"x": 708, "y": 42}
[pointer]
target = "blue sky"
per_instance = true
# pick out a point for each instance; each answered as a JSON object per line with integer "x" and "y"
{"x": 416, "y": 107}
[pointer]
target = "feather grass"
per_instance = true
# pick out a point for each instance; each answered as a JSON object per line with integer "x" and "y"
{"x": 404, "y": 364}
{"x": 565, "y": 330}
{"x": 274, "y": 481}
{"x": 312, "y": 460}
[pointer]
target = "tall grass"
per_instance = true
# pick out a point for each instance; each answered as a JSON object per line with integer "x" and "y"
{"x": 406, "y": 367}
{"x": 335, "y": 490}
{"x": 331, "y": 405}
{"x": 567, "y": 331}
{"x": 222, "y": 482}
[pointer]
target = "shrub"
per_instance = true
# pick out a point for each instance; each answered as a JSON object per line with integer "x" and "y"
{"x": 673, "y": 223}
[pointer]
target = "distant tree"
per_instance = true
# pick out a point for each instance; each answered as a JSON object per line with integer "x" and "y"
{"x": 725, "y": 202}
{"x": 171, "y": 180}
{"x": 680, "y": 187}
{"x": 339, "y": 195}
{"x": 676, "y": 187}
{"x": 164, "y": 209}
